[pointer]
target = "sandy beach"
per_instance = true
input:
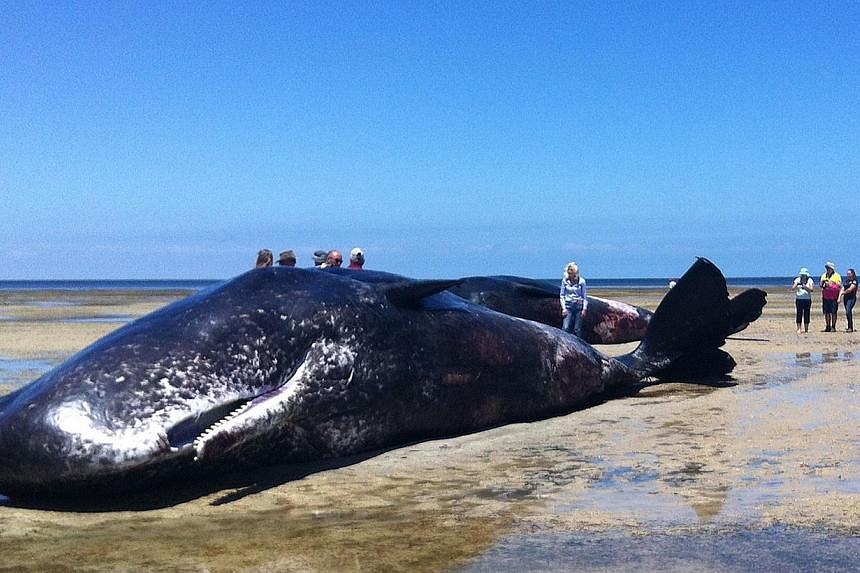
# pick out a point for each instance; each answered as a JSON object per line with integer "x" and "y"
{"x": 772, "y": 452}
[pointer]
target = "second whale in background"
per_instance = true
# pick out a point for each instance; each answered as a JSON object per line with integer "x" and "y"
{"x": 606, "y": 321}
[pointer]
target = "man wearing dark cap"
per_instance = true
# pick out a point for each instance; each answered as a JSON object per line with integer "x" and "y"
{"x": 287, "y": 259}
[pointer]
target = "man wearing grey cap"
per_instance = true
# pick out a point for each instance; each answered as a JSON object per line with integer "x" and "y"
{"x": 319, "y": 258}
{"x": 831, "y": 286}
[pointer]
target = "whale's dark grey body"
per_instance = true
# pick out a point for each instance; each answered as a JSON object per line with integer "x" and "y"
{"x": 283, "y": 365}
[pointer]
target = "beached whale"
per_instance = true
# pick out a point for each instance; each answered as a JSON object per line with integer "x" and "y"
{"x": 286, "y": 365}
{"x": 606, "y": 321}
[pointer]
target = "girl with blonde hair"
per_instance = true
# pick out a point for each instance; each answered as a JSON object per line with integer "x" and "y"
{"x": 574, "y": 300}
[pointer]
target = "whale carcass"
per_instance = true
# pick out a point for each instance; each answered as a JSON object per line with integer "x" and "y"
{"x": 287, "y": 365}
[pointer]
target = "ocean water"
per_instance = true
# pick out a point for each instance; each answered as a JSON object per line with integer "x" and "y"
{"x": 198, "y": 284}
{"x": 96, "y": 284}
{"x": 663, "y": 283}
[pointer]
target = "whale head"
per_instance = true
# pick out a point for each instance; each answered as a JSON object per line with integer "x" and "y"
{"x": 224, "y": 375}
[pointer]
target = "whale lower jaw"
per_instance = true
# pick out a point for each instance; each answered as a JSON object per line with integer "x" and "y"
{"x": 239, "y": 424}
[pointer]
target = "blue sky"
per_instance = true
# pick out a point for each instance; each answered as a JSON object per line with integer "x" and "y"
{"x": 173, "y": 140}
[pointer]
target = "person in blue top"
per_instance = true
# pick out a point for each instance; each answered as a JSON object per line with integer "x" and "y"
{"x": 574, "y": 301}
{"x": 849, "y": 297}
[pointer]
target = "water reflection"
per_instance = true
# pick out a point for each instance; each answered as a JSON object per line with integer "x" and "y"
{"x": 678, "y": 482}
{"x": 16, "y": 371}
{"x": 14, "y": 366}
{"x": 99, "y": 319}
{"x": 771, "y": 549}
{"x": 808, "y": 359}
{"x": 709, "y": 503}
{"x": 797, "y": 364}
{"x": 829, "y": 357}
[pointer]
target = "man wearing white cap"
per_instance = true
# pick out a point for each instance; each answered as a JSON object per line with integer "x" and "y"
{"x": 356, "y": 259}
{"x": 831, "y": 286}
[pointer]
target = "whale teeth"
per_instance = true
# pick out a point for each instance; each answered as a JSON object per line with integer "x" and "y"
{"x": 200, "y": 440}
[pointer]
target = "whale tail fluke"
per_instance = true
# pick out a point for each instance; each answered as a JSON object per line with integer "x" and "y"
{"x": 745, "y": 308}
{"x": 692, "y": 321}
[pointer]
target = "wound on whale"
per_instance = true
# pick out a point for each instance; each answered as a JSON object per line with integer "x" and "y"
{"x": 284, "y": 365}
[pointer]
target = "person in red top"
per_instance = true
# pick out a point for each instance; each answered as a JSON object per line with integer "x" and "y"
{"x": 356, "y": 259}
{"x": 831, "y": 286}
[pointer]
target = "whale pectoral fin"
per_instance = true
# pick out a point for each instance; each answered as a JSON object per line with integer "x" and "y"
{"x": 411, "y": 293}
{"x": 708, "y": 365}
{"x": 8, "y": 399}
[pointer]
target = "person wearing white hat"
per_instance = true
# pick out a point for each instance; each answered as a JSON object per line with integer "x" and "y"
{"x": 831, "y": 286}
{"x": 803, "y": 287}
{"x": 356, "y": 259}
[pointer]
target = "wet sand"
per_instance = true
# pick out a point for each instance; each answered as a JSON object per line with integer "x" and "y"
{"x": 769, "y": 458}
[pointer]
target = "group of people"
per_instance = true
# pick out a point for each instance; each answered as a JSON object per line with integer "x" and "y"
{"x": 322, "y": 259}
{"x": 834, "y": 290}
{"x": 574, "y": 297}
